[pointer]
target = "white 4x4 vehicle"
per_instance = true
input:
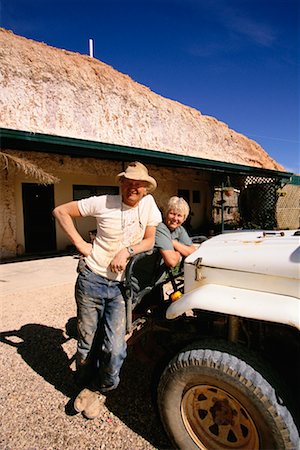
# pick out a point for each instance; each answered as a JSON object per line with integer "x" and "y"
{"x": 233, "y": 379}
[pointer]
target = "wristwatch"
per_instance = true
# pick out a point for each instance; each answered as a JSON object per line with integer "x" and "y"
{"x": 130, "y": 251}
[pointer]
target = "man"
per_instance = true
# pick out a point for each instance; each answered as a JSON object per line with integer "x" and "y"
{"x": 171, "y": 238}
{"x": 126, "y": 226}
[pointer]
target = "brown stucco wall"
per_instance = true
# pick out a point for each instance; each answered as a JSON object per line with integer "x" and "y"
{"x": 89, "y": 171}
{"x": 8, "y": 240}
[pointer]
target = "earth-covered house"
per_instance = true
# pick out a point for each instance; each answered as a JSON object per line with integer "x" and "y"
{"x": 70, "y": 123}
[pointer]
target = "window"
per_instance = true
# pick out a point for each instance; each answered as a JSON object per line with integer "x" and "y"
{"x": 196, "y": 196}
{"x": 184, "y": 193}
{"x": 84, "y": 191}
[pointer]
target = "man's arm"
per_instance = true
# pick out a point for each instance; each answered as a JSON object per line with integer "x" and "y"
{"x": 119, "y": 261}
{"x": 64, "y": 214}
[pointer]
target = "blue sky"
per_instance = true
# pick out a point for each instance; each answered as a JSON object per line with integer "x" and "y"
{"x": 236, "y": 60}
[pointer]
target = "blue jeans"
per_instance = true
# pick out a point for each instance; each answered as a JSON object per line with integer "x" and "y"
{"x": 101, "y": 320}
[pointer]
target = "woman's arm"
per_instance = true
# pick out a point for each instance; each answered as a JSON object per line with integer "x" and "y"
{"x": 170, "y": 257}
{"x": 184, "y": 250}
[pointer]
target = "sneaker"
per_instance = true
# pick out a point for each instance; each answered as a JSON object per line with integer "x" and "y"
{"x": 94, "y": 406}
{"x": 82, "y": 399}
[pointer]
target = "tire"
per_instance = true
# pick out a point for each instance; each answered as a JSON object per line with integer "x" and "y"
{"x": 210, "y": 400}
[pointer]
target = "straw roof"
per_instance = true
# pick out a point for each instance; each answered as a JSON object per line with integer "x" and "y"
{"x": 54, "y": 91}
{"x": 28, "y": 168}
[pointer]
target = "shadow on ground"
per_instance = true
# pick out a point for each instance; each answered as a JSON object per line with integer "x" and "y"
{"x": 41, "y": 348}
{"x": 133, "y": 402}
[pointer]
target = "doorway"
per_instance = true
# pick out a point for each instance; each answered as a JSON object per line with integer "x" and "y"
{"x": 39, "y": 224}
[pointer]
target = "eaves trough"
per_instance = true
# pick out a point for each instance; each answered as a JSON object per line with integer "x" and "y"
{"x": 81, "y": 148}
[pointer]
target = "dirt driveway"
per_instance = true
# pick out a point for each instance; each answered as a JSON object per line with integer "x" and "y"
{"x": 36, "y": 370}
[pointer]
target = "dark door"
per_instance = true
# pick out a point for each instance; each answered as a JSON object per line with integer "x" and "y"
{"x": 39, "y": 225}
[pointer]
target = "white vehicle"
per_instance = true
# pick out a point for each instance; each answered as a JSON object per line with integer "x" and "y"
{"x": 233, "y": 379}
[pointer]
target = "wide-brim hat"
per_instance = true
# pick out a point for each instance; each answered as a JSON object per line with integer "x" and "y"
{"x": 137, "y": 171}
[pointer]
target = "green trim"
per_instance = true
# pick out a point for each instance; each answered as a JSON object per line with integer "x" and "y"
{"x": 295, "y": 180}
{"x": 24, "y": 140}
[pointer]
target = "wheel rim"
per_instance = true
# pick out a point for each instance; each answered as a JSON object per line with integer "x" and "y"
{"x": 217, "y": 420}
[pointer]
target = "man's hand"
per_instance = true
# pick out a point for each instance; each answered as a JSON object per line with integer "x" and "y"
{"x": 118, "y": 264}
{"x": 85, "y": 248}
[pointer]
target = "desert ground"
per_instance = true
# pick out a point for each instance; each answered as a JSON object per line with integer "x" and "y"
{"x": 37, "y": 360}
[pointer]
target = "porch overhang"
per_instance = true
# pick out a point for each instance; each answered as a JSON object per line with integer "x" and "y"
{"x": 81, "y": 148}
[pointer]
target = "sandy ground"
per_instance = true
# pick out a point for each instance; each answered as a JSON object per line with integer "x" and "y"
{"x": 37, "y": 386}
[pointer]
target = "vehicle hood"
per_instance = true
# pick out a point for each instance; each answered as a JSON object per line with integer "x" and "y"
{"x": 271, "y": 253}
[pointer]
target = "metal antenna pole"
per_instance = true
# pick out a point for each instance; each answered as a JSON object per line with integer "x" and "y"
{"x": 91, "y": 48}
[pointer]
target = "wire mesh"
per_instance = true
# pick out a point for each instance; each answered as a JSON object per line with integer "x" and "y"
{"x": 255, "y": 202}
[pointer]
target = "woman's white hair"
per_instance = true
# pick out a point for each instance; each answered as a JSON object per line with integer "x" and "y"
{"x": 178, "y": 204}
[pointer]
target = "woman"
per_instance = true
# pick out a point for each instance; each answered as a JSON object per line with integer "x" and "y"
{"x": 171, "y": 237}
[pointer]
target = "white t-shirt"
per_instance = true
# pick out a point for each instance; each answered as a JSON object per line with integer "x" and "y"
{"x": 118, "y": 226}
